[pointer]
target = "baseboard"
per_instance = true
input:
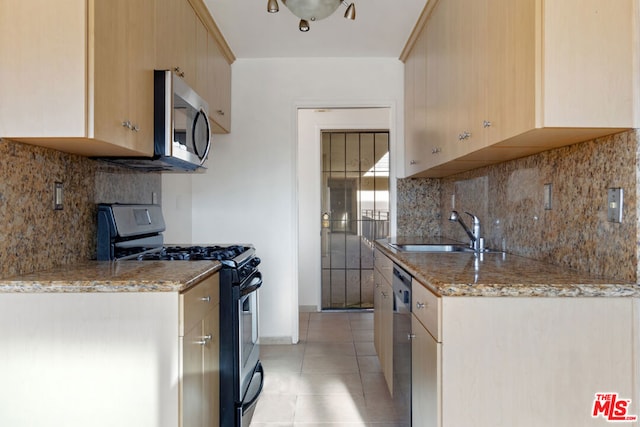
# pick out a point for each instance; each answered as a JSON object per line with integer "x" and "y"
{"x": 276, "y": 341}
{"x": 307, "y": 309}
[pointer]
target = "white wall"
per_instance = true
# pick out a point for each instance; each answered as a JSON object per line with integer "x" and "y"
{"x": 249, "y": 192}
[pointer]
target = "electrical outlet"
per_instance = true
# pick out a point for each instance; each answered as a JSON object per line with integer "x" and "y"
{"x": 547, "y": 197}
{"x": 614, "y": 204}
{"x": 57, "y": 196}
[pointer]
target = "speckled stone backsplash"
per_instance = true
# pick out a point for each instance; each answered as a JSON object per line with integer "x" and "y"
{"x": 509, "y": 200}
{"x": 418, "y": 207}
{"x": 34, "y": 236}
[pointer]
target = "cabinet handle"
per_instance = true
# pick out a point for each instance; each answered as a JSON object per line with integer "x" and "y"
{"x": 411, "y": 336}
{"x": 179, "y": 72}
{"x": 486, "y": 124}
{"x": 205, "y": 340}
{"x": 206, "y": 299}
{"x": 464, "y": 135}
{"x": 220, "y": 112}
{"x": 127, "y": 124}
{"x": 420, "y": 305}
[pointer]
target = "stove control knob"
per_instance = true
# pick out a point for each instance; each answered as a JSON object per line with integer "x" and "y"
{"x": 255, "y": 261}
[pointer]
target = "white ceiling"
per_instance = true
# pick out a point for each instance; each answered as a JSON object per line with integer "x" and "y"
{"x": 381, "y": 29}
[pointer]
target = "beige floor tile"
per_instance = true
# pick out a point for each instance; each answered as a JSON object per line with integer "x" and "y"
{"x": 331, "y": 378}
{"x": 330, "y": 349}
{"x": 281, "y": 383}
{"x": 323, "y": 384}
{"x": 330, "y": 365}
{"x": 275, "y": 409}
{"x": 369, "y": 364}
{"x": 330, "y": 408}
{"x": 363, "y": 335}
{"x": 329, "y": 334}
{"x": 365, "y": 348}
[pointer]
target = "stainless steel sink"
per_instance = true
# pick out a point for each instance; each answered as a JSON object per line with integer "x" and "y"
{"x": 428, "y": 247}
{"x": 436, "y": 248}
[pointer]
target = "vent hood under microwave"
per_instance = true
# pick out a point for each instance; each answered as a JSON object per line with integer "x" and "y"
{"x": 182, "y": 133}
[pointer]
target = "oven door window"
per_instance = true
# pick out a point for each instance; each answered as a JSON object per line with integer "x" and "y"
{"x": 248, "y": 326}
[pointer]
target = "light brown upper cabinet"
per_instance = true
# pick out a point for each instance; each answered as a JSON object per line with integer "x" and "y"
{"x": 505, "y": 79}
{"x": 200, "y": 56}
{"x": 77, "y": 75}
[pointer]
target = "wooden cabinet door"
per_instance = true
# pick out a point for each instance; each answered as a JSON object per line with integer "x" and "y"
{"x": 220, "y": 90}
{"x": 141, "y": 46}
{"x": 211, "y": 368}
{"x": 387, "y": 335}
{"x": 439, "y": 82}
{"x": 111, "y": 118}
{"x": 203, "y": 75}
{"x": 510, "y": 81}
{"x": 123, "y": 73}
{"x": 425, "y": 377}
{"x": 191, "y": 397}
{"x": 416, "y": 107}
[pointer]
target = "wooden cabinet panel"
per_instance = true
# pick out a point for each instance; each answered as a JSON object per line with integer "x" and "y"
{"x": 101, "y": 64}
{"x": 89, "y": 89}
{"x": 200, "y": 320}
{"x": 426, "y": 386}
{"x": 123, "y": 73}
{"x": 383, "y": 315}
{"x": 219, "y": 71}
{"x": 511, "y": 78}
{"x": 427, "y": 307}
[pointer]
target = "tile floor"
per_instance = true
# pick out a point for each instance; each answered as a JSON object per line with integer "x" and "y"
{"x": 331, "y": 378}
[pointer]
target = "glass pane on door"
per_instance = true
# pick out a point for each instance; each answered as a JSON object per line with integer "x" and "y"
{"x": 355, "y": 212}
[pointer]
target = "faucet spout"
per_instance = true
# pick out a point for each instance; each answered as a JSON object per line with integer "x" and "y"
{"x": 474, "y": 235}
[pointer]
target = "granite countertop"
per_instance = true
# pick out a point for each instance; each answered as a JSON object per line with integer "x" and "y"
{"x": 113, "y": 276}
{"x": 499, "y": 274}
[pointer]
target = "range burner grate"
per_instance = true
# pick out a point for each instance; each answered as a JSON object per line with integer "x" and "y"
{"x": 194, "y": 253}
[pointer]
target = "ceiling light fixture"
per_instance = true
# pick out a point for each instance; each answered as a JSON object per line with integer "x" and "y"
{"x": 312, "y": 10}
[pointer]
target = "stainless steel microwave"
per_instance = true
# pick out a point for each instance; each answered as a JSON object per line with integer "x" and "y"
{"x": 182, "y": 133}
{"x": 181, "y": 129}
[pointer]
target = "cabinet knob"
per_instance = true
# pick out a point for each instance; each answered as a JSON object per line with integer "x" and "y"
{"x": 127, "y": 124}
{"x": 486, "y": 124}
{"x": 220, "y": 112}
{"x": 436, "y": 150}
{"x": 412, "y": 162}
{"x": 384, "y": 294}
{"x": 206, "y": 299}
{"x": 205, "y": 339}
{"x": 135, "y": 128}
{"x": 411, "y": 336}
{"x": 179, "y": 72}
{"x": 420, "y": 305}
{"x": 464, "y": 135}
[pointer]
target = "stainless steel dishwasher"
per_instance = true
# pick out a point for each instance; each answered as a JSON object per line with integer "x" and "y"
{"x": 402, "y": 344}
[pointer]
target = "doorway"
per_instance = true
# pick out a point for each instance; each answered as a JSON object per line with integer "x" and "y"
{"x": 355, "y": 212}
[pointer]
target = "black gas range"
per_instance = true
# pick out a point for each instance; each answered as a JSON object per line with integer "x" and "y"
{"x": 129, "y": 233}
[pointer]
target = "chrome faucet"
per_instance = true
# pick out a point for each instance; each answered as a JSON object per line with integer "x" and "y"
{"x": 477, "y": 242}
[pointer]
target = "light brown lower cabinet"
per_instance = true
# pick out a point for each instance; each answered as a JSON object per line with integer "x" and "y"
{"x": 104, "y": 359}
{"x": 520, "y": 361}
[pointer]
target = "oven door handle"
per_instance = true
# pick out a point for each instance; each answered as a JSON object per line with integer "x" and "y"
{"x": 256, "y": 282}
{"x": 247, "y": 405}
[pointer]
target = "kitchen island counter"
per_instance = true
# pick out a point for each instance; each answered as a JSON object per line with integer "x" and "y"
{"x": 496, "y": 274}
{"x": 113, "y": 276}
